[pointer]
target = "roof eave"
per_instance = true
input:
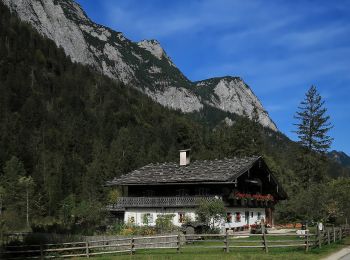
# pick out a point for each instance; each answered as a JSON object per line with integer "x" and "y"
{"x": 172, "y": 183}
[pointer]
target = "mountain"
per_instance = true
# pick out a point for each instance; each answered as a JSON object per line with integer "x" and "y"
{"x": 71, "y": 129}
{"x": 144, "y": 65}
{"x": 340, "y": 157}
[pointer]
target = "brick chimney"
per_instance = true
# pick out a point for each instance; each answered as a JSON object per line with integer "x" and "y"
{"x": 184, "y": 157}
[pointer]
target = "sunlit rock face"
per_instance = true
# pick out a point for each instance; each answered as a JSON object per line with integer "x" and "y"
{"x": 143, "y": 65}
{"x": 231, "y": 94}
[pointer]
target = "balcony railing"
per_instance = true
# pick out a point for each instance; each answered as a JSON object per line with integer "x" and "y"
{"x": 144, "y": 202}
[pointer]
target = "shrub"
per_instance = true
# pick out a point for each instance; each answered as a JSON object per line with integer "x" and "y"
{"x": 147, "y": 231}
{"x": 117, "y": 227}
{"x": 210, "y": 212}
{"x": 127, "y": 231}
{"x": 164, "y": 223}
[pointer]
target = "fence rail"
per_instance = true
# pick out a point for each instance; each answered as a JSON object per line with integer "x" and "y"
{"x": 177, "y": 242}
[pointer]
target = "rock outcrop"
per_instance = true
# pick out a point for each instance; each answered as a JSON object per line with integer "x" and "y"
{"x": 143, "y": 65}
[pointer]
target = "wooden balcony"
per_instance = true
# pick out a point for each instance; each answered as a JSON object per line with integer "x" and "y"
{"x": 159, "y": 202}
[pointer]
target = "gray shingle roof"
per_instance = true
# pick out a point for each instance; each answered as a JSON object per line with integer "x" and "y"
{"x": 198, "y": 171}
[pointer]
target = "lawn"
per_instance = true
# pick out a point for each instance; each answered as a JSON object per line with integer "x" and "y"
{"x": 235, "y": 253}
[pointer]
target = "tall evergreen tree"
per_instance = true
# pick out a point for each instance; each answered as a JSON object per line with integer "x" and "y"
{"x": 312, "y": 130}
{"x": 313, "y": 125}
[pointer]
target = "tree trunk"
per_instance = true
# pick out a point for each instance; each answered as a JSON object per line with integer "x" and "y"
{"x": 27, "y": 207}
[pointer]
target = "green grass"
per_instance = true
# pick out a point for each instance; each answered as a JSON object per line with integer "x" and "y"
{"x": 235, "y": 253}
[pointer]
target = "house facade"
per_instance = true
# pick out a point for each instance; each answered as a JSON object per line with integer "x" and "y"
{"x": 246, "y": 185}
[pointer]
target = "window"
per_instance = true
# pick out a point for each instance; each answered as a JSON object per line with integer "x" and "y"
{"x": 147, "y": 218}
{"x": 229, "y": 217}
{"x": 182, "y": 217}
{"x": 202, "y": 191}
{"x": 238, "y": 216}
{"x": 131, "y": 220}
{"x": 259, "y": 215}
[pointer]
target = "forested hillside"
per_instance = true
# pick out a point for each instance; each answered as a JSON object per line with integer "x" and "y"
{"x": 70, "y": 129}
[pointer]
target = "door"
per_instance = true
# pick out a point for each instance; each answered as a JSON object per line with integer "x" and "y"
{"x": 268, "y": 217}
{"x": 247, "y": 217}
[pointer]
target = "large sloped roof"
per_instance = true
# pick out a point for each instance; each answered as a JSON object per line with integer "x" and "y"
{"x": 224, "y": 170}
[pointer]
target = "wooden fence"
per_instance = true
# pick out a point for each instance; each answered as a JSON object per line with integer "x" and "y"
{"x": 180, "y": 242}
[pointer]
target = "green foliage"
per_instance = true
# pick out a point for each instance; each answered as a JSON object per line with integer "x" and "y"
{"x": 72, "y": 129}
{"x": 88, "y": 214}
{"x": 117, "y": 227}
{"x": 327, "y": 202}
{"x": 127, "y": 230}
{"x": 164, "y": 223}
{"x": 14, "y": 185}
{"x": 113, "y": 196}
{"x": 312, "y": 130}
{"x": 2, "y": 195}
{"x": 210, "y": 212}
{"x": 66, "y": 212}
{"x": 27, "y": 184}
{"x": 81, "y": 216}
{"x": 145, "y": 219}
{"x": 313, "y": 123}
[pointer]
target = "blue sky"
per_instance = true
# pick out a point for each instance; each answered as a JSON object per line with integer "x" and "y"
{"x": 279, "y": 48}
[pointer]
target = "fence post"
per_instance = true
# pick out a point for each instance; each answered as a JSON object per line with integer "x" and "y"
{"x": 328, "y": 237}
{"x": 340, "y": 233}
{"x": 265, "y": 243}
{"x": 227, "y": 246}
{"x": 264, "y": 237}
{"x": 178, "y": 243}
{"x": 307, "y": 239}
{"x": 319, "y": 237}
{"x": 41, "y": 252}
{"x": 334, "y": 236}
{"x": 132, "y": 246}
{"x": 87, "y": 249}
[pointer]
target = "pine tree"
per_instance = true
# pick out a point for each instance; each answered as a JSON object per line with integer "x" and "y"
{"x": 312, "y": 131}
{"x": 313, "y": 123}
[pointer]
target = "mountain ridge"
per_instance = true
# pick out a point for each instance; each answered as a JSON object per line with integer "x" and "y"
{"x": 143, "y": 64}
{"x": 340, "y": 157}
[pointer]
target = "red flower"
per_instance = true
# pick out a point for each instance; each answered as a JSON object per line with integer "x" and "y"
{"x": 258, "y": 197}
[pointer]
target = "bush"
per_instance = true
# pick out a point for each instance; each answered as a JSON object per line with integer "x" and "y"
{"x": 117, "y": 227}
{"x": 127, "y": 231}
{"x": 146, "y": 231}
{"x": 210, "y": 212}
{"x": 164, "y": 223}
{"x": 137, "y": 231}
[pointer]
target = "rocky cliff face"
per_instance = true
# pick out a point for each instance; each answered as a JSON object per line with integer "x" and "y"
{"x": 231, "y": 94}
{"x": 144, "y": 65}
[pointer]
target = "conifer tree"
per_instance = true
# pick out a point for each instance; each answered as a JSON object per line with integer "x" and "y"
{"x": 312, "y": 130}
{"x": 313, "y": 123}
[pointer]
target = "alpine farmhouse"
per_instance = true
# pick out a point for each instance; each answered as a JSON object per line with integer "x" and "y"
{"x": 247, "y": 187}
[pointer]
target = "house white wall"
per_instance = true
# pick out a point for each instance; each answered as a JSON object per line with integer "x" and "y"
{"x": 255, "y": 216}
{"x": 135, "y": 216}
